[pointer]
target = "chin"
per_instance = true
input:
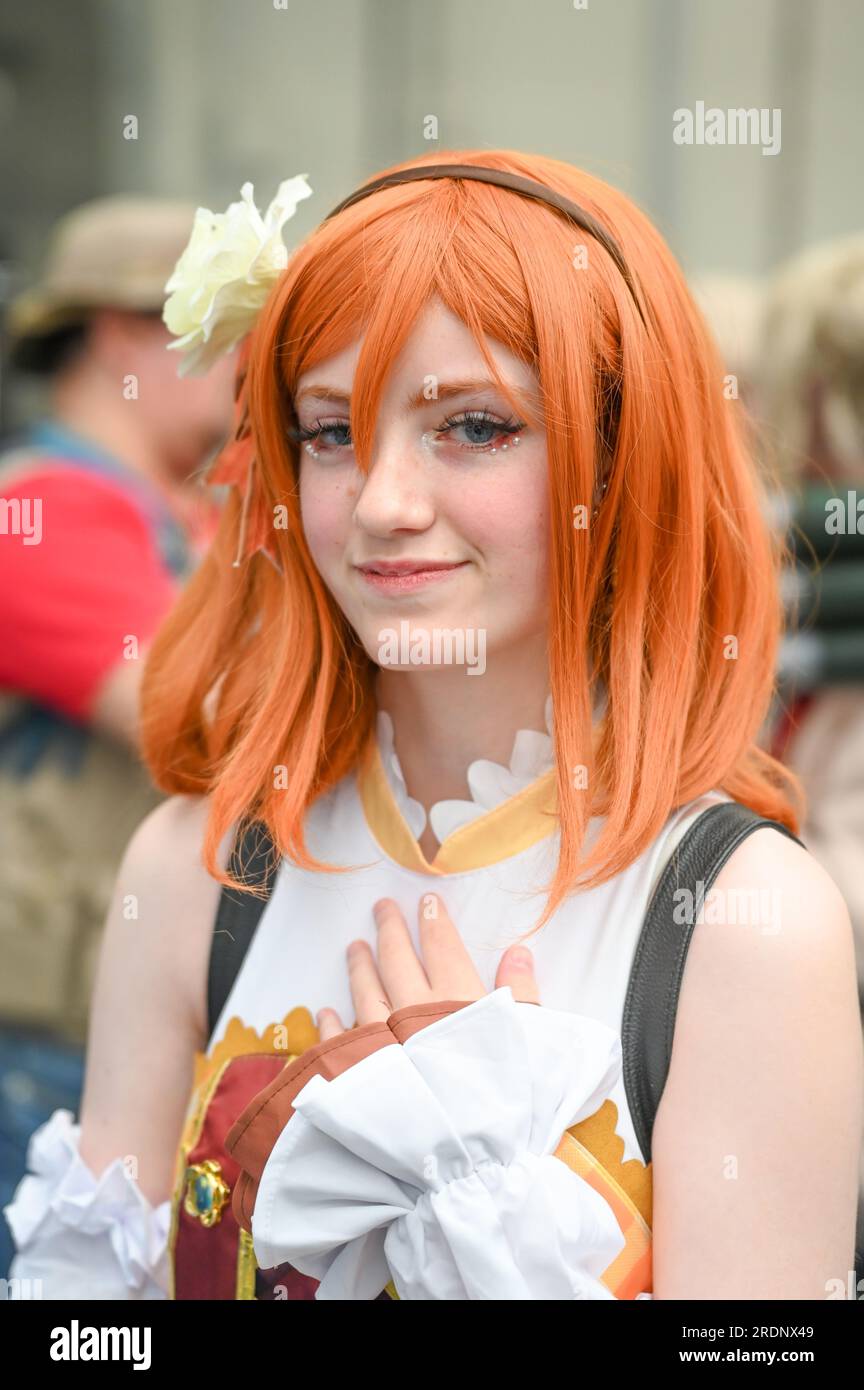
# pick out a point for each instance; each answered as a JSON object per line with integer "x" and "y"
{"x": 425, "y": 642}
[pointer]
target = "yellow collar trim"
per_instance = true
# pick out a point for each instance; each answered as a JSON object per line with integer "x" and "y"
{"x": 515, "y": 825}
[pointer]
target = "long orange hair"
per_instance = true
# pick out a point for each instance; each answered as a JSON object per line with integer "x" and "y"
{"x": 670, "y": 597}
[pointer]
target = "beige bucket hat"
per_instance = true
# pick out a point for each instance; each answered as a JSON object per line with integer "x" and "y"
{"x": 115, "y": 252}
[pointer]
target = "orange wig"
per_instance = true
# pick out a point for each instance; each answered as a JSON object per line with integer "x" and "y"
{"x": 670, "y": 598}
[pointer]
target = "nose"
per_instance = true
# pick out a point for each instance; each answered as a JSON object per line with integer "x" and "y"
{"x": 396, "y": 493}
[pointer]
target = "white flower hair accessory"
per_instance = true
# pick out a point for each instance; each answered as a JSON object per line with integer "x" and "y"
{"x": 226, "y": 272}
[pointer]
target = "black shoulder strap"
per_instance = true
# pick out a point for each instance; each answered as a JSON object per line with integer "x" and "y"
{"x": 651, "y": 1002}
{"x": 252, "y": 861}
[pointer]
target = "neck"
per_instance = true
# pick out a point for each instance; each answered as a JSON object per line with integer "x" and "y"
{"x": 85, "y": 401}
{"x": 445, "y": 719}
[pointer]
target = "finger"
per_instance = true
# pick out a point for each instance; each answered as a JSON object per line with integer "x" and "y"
{"x": 516, "y": 969}
{"x": 399, "y": 966}
{"x": 371, "y": 1003}
{"x": 451, "y": 971}
{"x": 330, "y": 1024}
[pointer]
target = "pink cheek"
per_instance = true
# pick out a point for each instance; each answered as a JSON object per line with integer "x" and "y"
{"x": 510, "y": 528}
{"x": 504, "y": 520}
{"x": 327, "y": 518}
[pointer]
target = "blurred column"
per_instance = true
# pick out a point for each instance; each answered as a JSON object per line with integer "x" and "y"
{"x": 155, "y": 59}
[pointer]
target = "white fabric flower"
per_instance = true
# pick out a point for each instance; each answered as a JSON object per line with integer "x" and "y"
{"x": 85, "y": 1237}
{"x": 490, "y": 783}
{"x": 224, "y": 276}
{"x": 433, "y": 1162}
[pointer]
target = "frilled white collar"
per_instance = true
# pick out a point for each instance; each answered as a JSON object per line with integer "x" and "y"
{"x": 489, "y": 783}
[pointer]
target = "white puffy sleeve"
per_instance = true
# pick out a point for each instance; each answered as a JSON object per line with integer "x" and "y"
{"x": 83, "y": 1238}
{"x": 433, "y": 1163}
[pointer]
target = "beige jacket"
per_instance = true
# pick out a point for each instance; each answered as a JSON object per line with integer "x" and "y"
{"x": 63, "y": 831}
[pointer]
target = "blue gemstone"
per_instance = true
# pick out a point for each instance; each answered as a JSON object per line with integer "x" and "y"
{"x": 203, "y": 1193}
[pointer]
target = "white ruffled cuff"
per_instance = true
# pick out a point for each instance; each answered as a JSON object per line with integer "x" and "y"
{"x": 83, "y": 1237}
{"x": 433, "y": 1162}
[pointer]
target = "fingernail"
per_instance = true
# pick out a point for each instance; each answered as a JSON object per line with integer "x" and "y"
{"x": 522, "y": 959}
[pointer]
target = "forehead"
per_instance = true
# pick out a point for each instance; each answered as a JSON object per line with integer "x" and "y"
{"x": 439, "y": 351}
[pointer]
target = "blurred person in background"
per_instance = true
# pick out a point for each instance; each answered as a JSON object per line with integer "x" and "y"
{"x": 102, "y": 516}
{"x": 795, "y": 345}
{"x": 812, "y": 400}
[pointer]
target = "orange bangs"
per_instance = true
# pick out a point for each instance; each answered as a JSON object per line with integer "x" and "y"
{"x": 670, "y": 598}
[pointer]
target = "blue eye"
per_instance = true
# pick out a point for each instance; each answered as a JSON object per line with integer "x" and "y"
{"x": 315, "y": 434}
{"x": 477, "y": 423}
{"x": 485, "y": 433}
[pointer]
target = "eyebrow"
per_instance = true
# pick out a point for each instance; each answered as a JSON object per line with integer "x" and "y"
{"x": 444, "y": 390}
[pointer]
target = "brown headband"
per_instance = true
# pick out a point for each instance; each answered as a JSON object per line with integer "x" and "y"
{"x": 529, "y": 187}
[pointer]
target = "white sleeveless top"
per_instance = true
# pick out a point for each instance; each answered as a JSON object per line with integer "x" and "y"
{"x": 497, "y": 852}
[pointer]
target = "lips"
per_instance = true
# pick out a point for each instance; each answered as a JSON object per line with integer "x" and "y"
{"x": 395, "y": 576}
{"x": 406, "y": 566}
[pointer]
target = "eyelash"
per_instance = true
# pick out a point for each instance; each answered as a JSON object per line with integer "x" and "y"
{"x": 466, "y": 417}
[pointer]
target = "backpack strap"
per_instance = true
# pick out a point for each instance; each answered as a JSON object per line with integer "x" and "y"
{"x": 651, "y": 1002}
{"x": 237, "y": 917}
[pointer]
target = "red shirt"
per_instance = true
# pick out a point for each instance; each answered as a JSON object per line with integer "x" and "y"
{"x": 95, "y": 576}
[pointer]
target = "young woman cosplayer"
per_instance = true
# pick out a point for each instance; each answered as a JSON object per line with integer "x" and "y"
{"x": 489, "y": 627}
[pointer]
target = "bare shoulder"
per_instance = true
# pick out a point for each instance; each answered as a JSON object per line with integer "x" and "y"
{"x": 148, "y": 1013}
{"x": 163, "y": 887}
{"x": 774, "y": 905}
{"x": 758, "y": 1132}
